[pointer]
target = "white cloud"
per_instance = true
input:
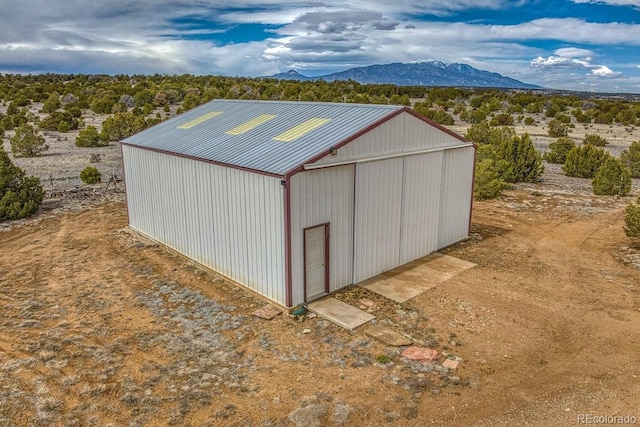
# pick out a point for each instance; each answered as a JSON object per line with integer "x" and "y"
{"x": 633, "y": 3}
{"x": 158, "y": 36}
{"x": 569, "y": 58}
{"x": 604, "y": 71}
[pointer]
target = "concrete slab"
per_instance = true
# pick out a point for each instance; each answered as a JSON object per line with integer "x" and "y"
{"x": 397, "y": 290}
{"x": 410, "y": 280}
{"x": 387, "y": 336}
{"x": 340, "y": 313}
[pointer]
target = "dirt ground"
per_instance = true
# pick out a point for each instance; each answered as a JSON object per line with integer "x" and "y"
{"x": 99, "y": 328}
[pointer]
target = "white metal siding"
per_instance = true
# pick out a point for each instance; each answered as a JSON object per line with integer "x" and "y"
{"x": 317, "y": 197}
{"x": 227, "y": 219}
{"x": 420, "y": 206}
{"x": 378, "y": 217}
{"x": 401, "y": 134}
{"x": 455, "y": 199}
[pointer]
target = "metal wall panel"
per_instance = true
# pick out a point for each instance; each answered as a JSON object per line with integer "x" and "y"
{"x": 455, "y": 199}
{"x": 401, "y": 134}
{"x": 227, "y": 219}
{"x": 317, "y": 197}
{"x": 377, "y": 217}
{"x": 420, "y": 206}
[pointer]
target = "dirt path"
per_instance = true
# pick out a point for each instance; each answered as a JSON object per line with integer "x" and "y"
{"x": 99, "y": 328}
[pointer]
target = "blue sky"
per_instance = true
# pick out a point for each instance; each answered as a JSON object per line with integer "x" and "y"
{"x": 587, "y": 45}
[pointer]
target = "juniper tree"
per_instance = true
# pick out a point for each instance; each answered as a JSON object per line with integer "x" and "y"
{"x": 631, "y": 159}
{"x": 584, "y": 161}
{"x": 612, "y": 179}
{"x": 558, "y": 150}
{"x": 27, "y": 142}
{"x": 632, "y": 220}
{"x": 525, "y": 163}
{"x": 20, "y": 195}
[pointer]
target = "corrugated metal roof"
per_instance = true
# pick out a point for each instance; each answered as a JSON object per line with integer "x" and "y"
{"x": 246, "y": 134}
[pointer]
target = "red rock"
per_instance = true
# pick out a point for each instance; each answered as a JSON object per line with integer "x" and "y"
{"x": 426, "y": 356}
{"x": 267, "y": 312}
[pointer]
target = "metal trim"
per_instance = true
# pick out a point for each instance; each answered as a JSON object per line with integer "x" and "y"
{"x": 200, "y": 159}
{"x": 313, "y": 166}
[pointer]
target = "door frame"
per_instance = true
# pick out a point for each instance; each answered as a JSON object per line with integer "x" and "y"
{"x": 327, "y": 287}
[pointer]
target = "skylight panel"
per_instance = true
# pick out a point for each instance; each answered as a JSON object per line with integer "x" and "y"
{"x": 302, "y": 129}
{"x": 199, "y": 120}
{"x": 251, "y": 124}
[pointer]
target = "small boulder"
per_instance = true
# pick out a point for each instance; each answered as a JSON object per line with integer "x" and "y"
{"x": 424, "y": 355}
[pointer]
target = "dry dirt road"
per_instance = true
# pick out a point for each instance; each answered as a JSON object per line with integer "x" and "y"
{"x": 97, "y": 328}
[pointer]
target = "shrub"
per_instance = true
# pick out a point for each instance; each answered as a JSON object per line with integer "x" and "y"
{"x": 90, "y": 175}
{"x": 529, "y": 121}
{"x": 503, "y": 119}
{"x": 20, "y": 195}
{"x": 584, "y": 161}
{"x": 612, "y": 179}
{"x": 483, "y": 133}
{"x": 595, "y": 139}
{"x": 53, "y": 120}
{"x": 438, "y": 116}
{"x": 631, "y": 159}
{"x": 487, "y": 184}
{"x": 525, "y": 163}
{"x": 558, "y": 129}
{"x": 558, "y": 150}
{"x": 122, "y": 125}
{"x": 27, "y": 142}
{"x": 90, "y": 137}
{"x": 632, "y": 220}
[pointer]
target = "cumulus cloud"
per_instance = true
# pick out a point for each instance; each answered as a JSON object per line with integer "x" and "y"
{"x": 573, "y": 58}
{"x": 633, "y": 3}
{"x": 179, "y": 36}
{"x": 604, "y": 71}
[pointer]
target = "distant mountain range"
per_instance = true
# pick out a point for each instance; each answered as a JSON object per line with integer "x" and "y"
{"x": 421, "y": 73}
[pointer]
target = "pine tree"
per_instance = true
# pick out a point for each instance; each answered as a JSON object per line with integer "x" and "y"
{"x": 20, "y": 195}
{"x": 525, "y": 163}
{"x": 632, "y": 220}
{"x": 584, "y": 161}
{"x": 612, "y": 179}
{"x": 487, "y": 184}
{"x": 558, "y": 150}
{"x": 631, "y": 159}
{"x": 27, "y": 142}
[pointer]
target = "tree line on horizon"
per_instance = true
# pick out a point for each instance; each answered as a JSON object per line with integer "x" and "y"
{"x": 133, "y": 103}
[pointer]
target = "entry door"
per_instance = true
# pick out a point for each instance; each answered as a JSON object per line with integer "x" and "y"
{"x": 316, "y": 261}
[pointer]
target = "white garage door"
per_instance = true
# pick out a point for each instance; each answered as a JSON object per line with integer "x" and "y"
{"x": 420, "y": 206}
{"x": 378, "y": 214}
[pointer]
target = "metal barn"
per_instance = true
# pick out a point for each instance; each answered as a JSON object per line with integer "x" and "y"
{"x": 295, "y": 200}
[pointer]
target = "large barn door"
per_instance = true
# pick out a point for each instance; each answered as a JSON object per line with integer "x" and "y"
{"x": 420, "y": 206}
{"x": 316, "y": 261}
{"x": 378, "y": 211}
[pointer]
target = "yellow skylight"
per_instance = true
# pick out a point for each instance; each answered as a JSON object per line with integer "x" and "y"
{"x": 253, "y": 123}
{"x": 302, "y": 129}
{"x": 199, "y": 120}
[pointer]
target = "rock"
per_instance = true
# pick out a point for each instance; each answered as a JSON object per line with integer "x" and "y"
{"x": 306, "y": 331}
{"x": 387, "y": 336}
{"x": 312, "y": 315}
{"x": 450, "y": 363}
{"x": 267, "y": 312}
{"x": 424, "y": 355}
{"x": 367, "y": 303}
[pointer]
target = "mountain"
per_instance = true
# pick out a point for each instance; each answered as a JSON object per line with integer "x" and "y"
{"x": 421, "y": 73}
